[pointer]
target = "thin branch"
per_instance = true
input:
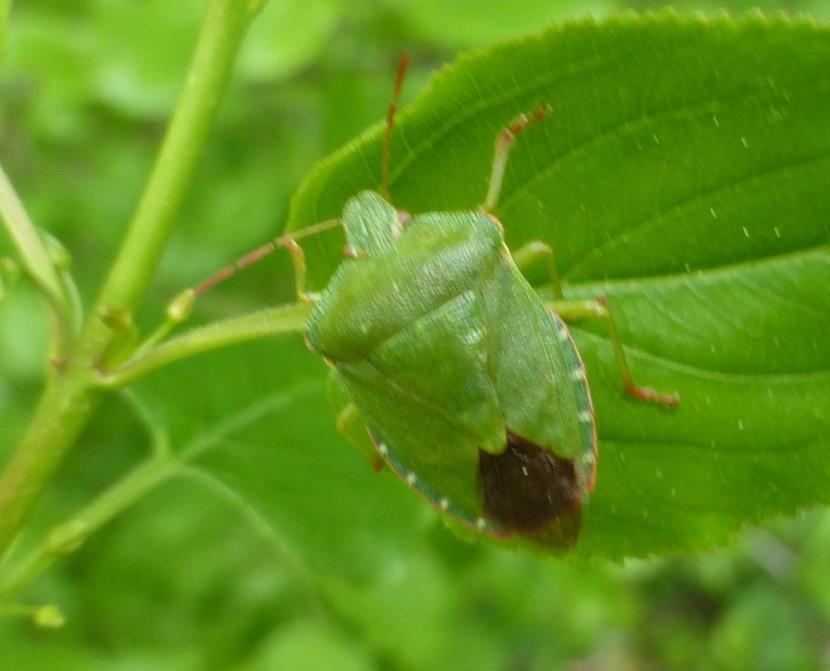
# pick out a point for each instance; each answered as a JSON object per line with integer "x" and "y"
{"x": 71, "y": 397}
{"x": 70, "y": 535}
{"x": 260, "y": 324}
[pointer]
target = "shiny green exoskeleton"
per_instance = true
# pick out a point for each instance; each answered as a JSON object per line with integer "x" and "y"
{"x": 470, "y": 387}
{"x": 472, "y": 390}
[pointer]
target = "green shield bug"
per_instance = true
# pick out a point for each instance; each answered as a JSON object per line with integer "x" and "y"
{"x": 469, "y": 385}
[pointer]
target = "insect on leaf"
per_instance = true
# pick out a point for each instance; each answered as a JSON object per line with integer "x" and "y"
{"x": 682, "y": 173}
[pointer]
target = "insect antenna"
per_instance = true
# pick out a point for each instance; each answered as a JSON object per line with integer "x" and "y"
{"x": 287, "y": 241}
{"x": 403, "y": 65}
{"x": 179, "y": 309}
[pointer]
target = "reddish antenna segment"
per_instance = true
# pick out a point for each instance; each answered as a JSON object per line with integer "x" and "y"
{"x": 403, "y": 65}
{"x": 287, "y": 241}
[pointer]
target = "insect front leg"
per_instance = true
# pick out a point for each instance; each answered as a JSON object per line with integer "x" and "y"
{"x": 598, "y": 309}
{"x": 504, "y": 143}
{"x": 298, "y": 261}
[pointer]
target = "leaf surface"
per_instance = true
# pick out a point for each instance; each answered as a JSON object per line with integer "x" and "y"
{"x": 683, "y": 173}
{"x": 254, "y": 424}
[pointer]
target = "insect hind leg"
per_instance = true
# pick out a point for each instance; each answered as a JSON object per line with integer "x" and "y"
{"x": 598, "y": 309}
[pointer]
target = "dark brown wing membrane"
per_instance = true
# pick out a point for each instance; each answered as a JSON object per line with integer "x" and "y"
{"x": 530, "y": 491}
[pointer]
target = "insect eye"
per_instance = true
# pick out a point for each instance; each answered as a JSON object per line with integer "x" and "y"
{"x": 350, "y": 252}
{"x": 404, "y": 218}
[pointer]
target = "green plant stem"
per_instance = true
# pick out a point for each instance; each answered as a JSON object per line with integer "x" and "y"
{"x": 68, "y": 536}
{"x": 37, "y": 264}
{"x": 59, "y": 417}
{"x": 268, "y": 322}
{"x": 222, "y": 30}
{"x": 70, "y": 397}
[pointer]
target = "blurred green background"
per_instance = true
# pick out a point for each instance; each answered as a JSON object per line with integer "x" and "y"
{"x": 182, "y": 580}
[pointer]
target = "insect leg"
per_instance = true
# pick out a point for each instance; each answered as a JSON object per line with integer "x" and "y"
{"x": 598, "y": 308}
{"x": 527, "y": 255}
{"x": 298, "y": 260}
{"x": 346, "y": 419}
{"x": 504, "y": 142}
{"x": 403, "y": 65}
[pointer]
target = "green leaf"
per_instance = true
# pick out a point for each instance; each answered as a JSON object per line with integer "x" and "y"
{"x": 31, "y": 247}
{"x": 682, "y": 172}
{"x": 254, "y": 424}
